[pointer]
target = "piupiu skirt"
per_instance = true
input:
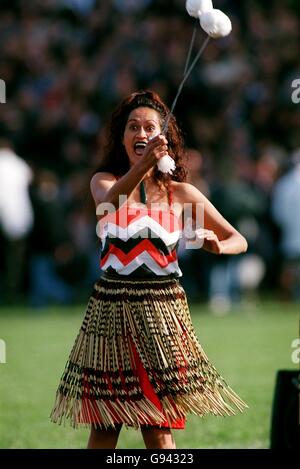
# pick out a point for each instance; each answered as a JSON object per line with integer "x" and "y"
{"x": 137, "y": 361}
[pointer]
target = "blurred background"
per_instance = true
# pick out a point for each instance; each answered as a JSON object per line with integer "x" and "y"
{"x": 67, "y": 63}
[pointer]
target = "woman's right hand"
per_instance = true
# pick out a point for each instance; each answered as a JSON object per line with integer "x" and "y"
{"x": 156, "y": 148}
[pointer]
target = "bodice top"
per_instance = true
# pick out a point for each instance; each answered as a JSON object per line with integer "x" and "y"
{"x": 140, "y": 241}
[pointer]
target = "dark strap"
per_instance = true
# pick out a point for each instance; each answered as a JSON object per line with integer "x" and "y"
{"x": 143, "y": 194}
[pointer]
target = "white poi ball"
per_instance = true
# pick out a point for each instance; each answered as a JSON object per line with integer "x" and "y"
{"x": 166, "y": 164}
{"x": 215, "y": 23}
{"x": 197, "y": 7}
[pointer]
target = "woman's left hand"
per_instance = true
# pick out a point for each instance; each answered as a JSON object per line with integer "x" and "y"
{"x": 211, "y": 242}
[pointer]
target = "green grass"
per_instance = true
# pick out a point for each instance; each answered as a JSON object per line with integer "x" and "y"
{"x": 247, "y": 346}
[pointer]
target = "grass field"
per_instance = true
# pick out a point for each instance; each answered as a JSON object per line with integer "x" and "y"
{"x": 247, "y": 346}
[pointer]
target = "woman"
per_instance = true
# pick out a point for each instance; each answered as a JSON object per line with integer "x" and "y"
{"x": 136, "y": 360}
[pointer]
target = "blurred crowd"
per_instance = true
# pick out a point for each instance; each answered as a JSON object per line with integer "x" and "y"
{"x": 67, "y": 63}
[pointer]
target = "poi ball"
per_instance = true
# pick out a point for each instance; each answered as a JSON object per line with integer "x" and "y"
{"x": 166, "y": 164}
{"x": 215, "y": 23}
{"x": 197, "y": 7}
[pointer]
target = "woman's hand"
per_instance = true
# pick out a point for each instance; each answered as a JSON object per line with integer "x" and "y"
{"x": 211, "y": 242}
{"x": 106, "y": 188}
{"x": 155, "y": 149}
{"x": 219, "y": 236}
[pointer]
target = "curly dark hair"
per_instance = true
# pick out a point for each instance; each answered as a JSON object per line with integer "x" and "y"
{"x": 114, "y": 158}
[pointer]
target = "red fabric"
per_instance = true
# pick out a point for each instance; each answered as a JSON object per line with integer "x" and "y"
{"x": 90, "y": 414}
{"x": 145, "y": 245}
{"x": 150, "y": 394}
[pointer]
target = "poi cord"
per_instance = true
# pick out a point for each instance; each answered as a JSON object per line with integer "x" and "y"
{"x": 186, "y": 76}
{"x": 187, "y": 63}
{"x": 216, "y": 24}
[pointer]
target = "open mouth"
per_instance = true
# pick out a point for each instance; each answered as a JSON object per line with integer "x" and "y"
{"x": 139, "y": 147}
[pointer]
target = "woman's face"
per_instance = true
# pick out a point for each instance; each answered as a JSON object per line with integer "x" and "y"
{"x": 143, "y": 124}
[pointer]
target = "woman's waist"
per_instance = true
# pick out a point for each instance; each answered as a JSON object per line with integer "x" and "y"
{"x": 127, "y": 259}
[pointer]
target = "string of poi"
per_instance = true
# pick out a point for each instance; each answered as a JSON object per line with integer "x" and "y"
{"x": 216, "y": 25}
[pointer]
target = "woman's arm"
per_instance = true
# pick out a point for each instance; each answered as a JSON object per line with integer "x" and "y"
{"x": 106, "y": 188}
{"x": 219, "y": 236}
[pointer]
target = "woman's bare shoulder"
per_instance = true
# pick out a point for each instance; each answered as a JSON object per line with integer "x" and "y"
{"x": 184, "y": 191}
{"x": 102, "y": 176}
{"x": 100, "y": 183}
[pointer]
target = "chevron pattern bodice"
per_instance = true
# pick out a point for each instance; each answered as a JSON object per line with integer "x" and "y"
{"x": 140, "y": 242}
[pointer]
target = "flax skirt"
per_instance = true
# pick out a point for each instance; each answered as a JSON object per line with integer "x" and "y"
{"x": 137, "y": 361}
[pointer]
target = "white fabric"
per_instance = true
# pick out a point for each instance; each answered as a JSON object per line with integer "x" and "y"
{"x": 143, "y": 259}
{"x": 16, "y": 214}
{"x": 134, "y": 229}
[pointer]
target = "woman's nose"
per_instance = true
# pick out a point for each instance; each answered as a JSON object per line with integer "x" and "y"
{"x": 141, "y": 132}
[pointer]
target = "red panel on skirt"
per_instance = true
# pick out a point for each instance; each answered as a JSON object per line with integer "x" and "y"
{"x": 90, "y": 414}
{"x": 150, "y": 394}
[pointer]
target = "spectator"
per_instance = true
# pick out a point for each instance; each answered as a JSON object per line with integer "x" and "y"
{"x": 286, "y": 210}
{"x": 51, "y": 249}
{"x": 16, "y": 219}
